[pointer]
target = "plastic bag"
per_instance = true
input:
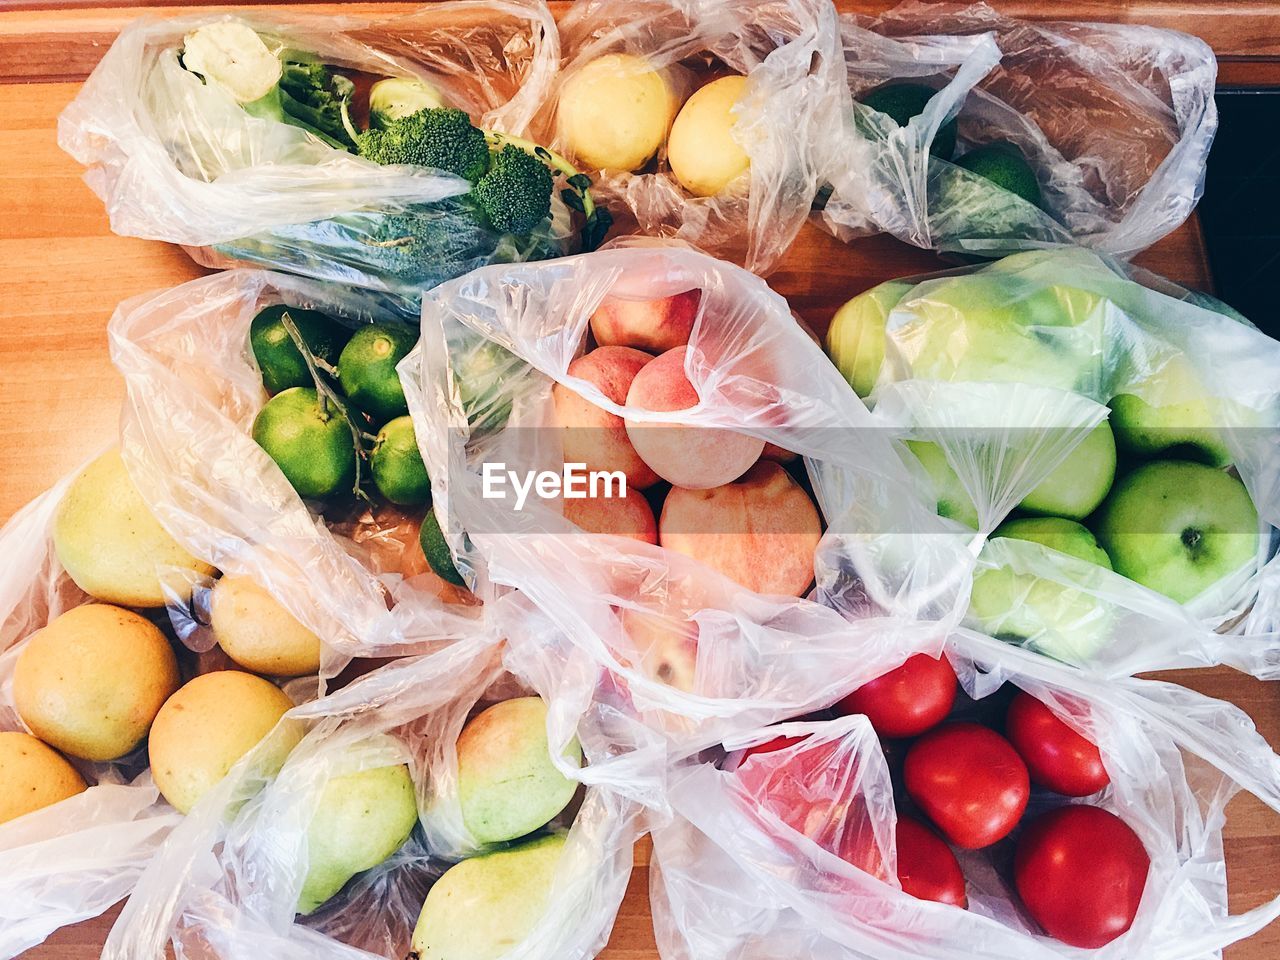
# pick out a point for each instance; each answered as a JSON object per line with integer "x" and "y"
{"x": 72, "y": 860}
{"x": 241, "y": 857}
{"x": 747, "y": 866}
{"x": 786, "y": 119}
{"x": 1115, "y": 121}
{"x": 693, "y": 651}
{"x": 176, "y": 160}
{"x": 193, "y": 391}
{"x": 1007, "y": 369}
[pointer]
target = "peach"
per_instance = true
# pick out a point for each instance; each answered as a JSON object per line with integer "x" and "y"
{"x": 666, "y": 647}
{"x": 627, "y": 516}
{"x": 654, "y": 325}
{"x": 593, "y": 435}
{"x": 760, "y": 531}
{"x": 685, "y": 455}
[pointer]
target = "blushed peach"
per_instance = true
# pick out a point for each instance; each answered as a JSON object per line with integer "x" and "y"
{"x": 591, "y": 434}
{"x": 666, "y": 648}
{"x": 760, "y": 531}
{"x": 654, "y": 325}
{"x": 626, "y": 516}
{"x": 689, "y": 456}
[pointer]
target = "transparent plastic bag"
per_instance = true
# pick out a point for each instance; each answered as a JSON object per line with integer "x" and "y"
{"x": 241, "y": 858}
{"x": 193, "y": 392}
{"x": 692, "y": 650}
{"x": 757, "y": 861}
{"x": 786, "y": 119}
{"x": 179, "y": 161}
{"x": 1115, "y": 120}
{"x": 1007, "y": 368}
{"x": 72, "y": 860}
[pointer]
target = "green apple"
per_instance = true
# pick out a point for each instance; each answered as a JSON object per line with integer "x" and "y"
{"x": 954, "y": 501}
{"x": 855, "y": 340}
{"x": 1179, "y": 527}
{"x": 1075, "y": 487}
{"x": 362, "y": 819}
{"x": 481, "y": 908}
{"x": 1168, "y": 412}
{"x": 1058, "y": 620}
{"x": 508, "y": 784}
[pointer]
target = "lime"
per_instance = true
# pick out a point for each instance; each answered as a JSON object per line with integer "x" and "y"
{"x": 481, "y": 369}
{"x": 398, "y": 470}
{"x": 278, "y": 358}
{"x": 436, "y": 550}
{"x": 901, "y": 101}
{"x": 311, "y": 444}
{"x": 367, "y": 369}
{"x": 1003, "y": 164}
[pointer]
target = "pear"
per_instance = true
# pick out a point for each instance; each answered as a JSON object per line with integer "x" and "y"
{"x": 362, "y": 819}
{"x": 482, "y": 907}
{"x": 855, "y": 341}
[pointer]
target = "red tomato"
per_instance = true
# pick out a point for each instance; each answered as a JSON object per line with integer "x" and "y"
{"x": 769, "y": 746}
{"x": 1080, "y": 872}
{"x": 908, "y": 700}
{"x": 927, "y": 869}
{"x": 969, "y": 781}
{"x": 1056, "y": 756}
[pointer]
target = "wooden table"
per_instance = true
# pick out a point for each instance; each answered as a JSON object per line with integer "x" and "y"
{"x": 62, "y": 272}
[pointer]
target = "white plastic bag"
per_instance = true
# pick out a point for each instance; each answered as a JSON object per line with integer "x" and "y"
{"x": 193, "y": 392}
{"x": 786, "y": 120}
{"x": 692, "y": 651}
{"x": 734, "y": 877}
{"x": 176, "y": 160}
{"x": 74, "y": 859}
{"x": 1116, "y": 121}
{"x": 1009, "y": 366}
{"x": 240, "y": 858}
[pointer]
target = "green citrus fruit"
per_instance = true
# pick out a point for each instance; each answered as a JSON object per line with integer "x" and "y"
{"x": 311, "y": 444}
{"x": 436, "y": 550}
{"x": 1003, "y": 164}
{"x": 367, "y": 369}
{"x": 278, "y": 358}
{"x": 902, "y": 101}
{"x": 398, "y": 470}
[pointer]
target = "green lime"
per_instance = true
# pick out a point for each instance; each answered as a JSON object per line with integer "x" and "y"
{"x": 278, "y": 358}
{"x": 481, "y": 369}
{"x": 1003, "y": 164}
{"x": 398, "y": 470}
{"x": 367, "y": 369}
{"x": 436, "y": 550}
{"x": 900, "y": 101}
{"x": 312, "y": 445}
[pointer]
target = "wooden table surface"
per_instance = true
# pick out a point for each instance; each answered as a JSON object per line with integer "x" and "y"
{"x": 62, "y": 272}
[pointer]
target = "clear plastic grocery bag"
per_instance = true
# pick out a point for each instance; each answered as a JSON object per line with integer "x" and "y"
{"x": 792, "y": 851}
{"x": 1075, "y": 412}
{"x": 1021, "y": 133}
{"x": 242, "y": 861}
{"x": 74, "y": 859}
{"x": 695, "y": 648}
{"x": 629, "y": 67}
{"x": 354, "y": 576}
{"x": 181, "y": 160}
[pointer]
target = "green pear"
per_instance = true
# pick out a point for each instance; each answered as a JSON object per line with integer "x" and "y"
{"x": 1076, "y": 486}
{"x": 508, "y": 785}
{"x": 362, "y": 819}
{"x": 1179, "y": 527}
{"x": 855, "y": 340}
{"x": 480, "y": 908}
{"x": 1169, "y": 412}
{"x": 1058, "y": 620}
{"x": 954, "y": 501}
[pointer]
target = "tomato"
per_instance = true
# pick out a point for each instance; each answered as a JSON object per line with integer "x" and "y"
{"x": 927, "y": 869}
{"x": 969, "y": 781}
{"x": 769, "y": 746}
{"x": 1056, "y": 756}
{"x": 908, "y": 700}
{"x": 1080, "y": 872}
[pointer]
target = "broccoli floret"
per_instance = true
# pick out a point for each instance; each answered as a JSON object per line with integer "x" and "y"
{"x": 441, "y": 137}
{"x": 515, "y": 194}
{"x": 313, "y": 96}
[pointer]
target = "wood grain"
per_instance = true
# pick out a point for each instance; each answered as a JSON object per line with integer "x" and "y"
{"x": 62, "y": 273}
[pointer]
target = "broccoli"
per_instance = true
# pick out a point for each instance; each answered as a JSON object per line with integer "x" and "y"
{"x": 438, "y": 137}
{"x": 312, "y": 96}
{"x": 395, "y": 97}
{"x": 515, "y": 194}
